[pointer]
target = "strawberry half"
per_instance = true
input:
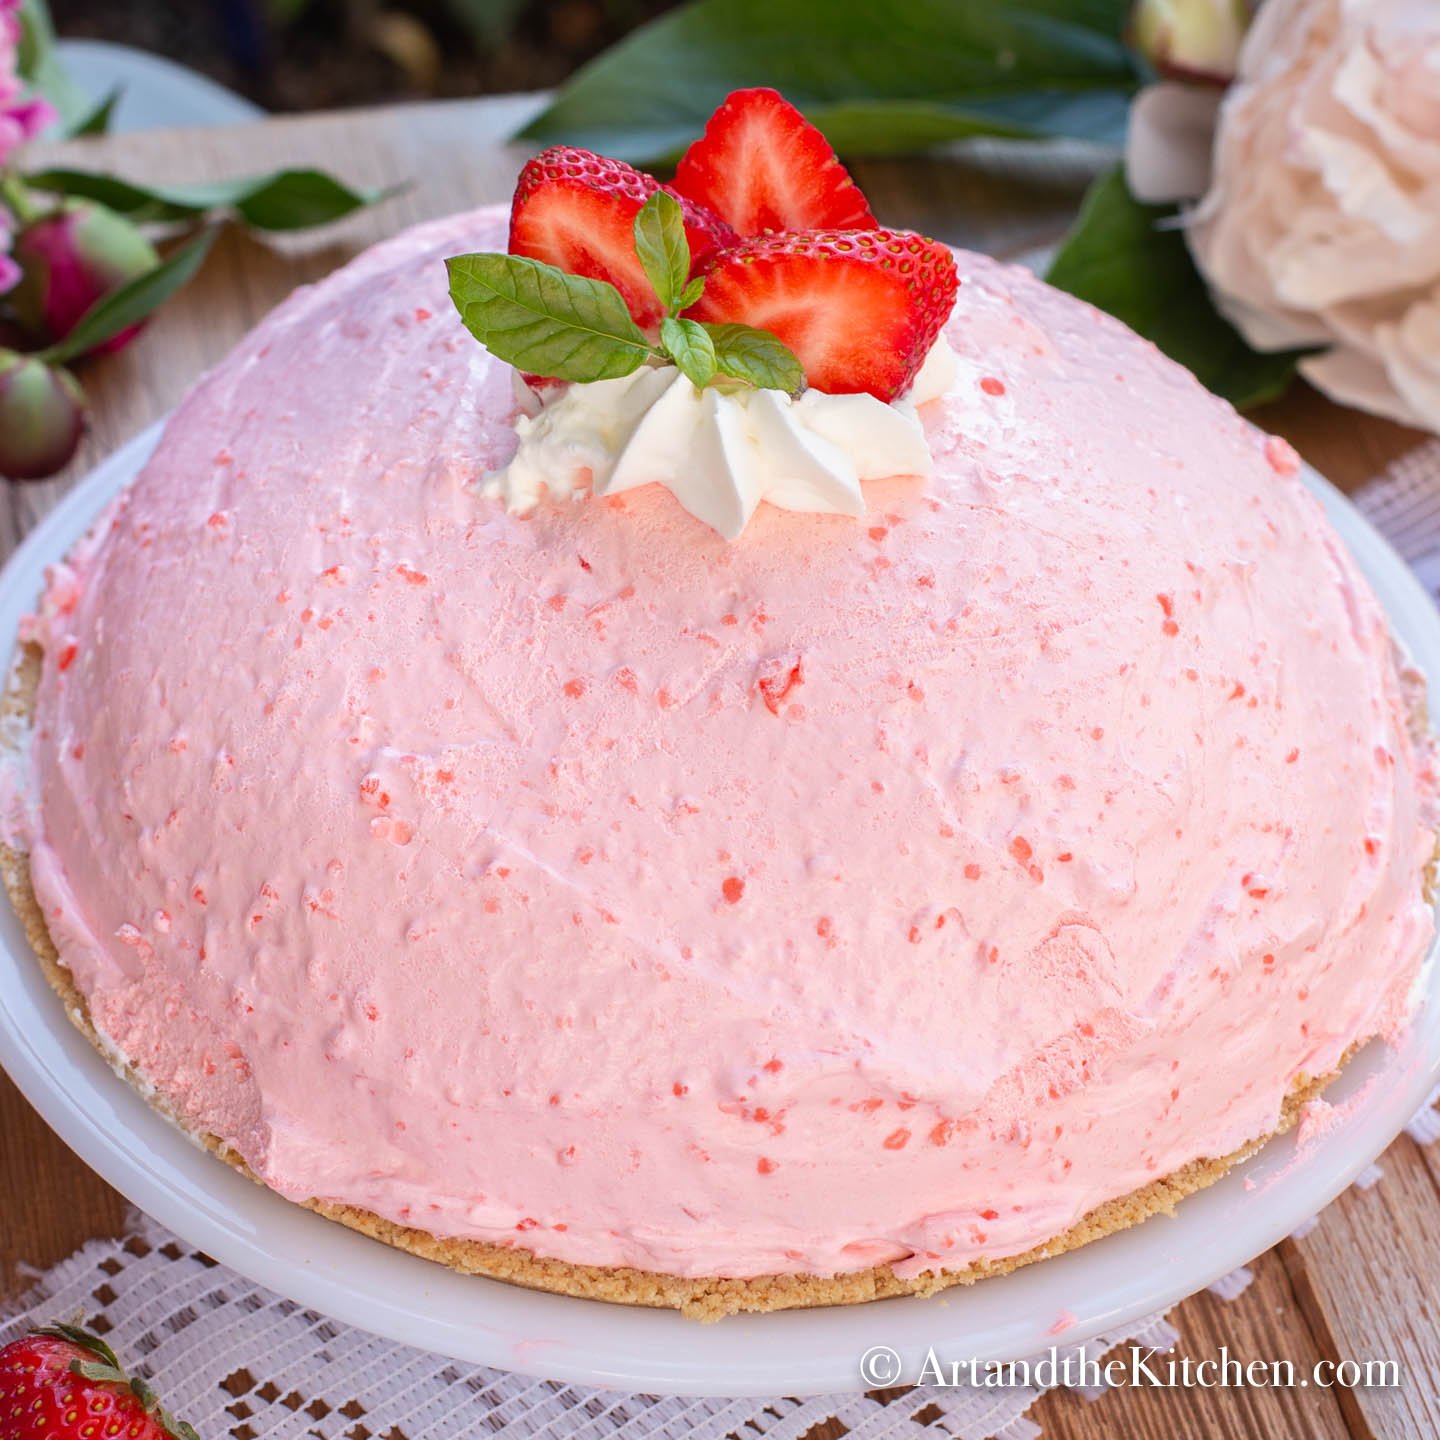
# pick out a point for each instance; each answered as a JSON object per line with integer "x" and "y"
{"x": 576, "y": 210}
{"x": 761, "y": 166}
{"x": 860, "y": 308}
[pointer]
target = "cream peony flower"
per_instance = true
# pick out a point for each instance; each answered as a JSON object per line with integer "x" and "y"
{"x": 1322, "y": 222}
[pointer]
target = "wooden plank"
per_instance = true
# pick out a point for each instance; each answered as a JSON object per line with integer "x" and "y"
{"x": 1263, "y": 1324}
{"x": 50, "y": 1203}
{"x": 1368, "y": 1280}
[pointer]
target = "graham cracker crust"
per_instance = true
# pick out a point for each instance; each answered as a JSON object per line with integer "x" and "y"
{"x": 705, "y": 1298}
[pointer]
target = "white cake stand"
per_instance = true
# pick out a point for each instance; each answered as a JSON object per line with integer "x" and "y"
{"x": 361, "y": 1282}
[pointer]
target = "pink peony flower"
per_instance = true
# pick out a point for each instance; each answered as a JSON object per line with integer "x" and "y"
{"x": 22, "y": 117}
{"x": 69, "y": 259}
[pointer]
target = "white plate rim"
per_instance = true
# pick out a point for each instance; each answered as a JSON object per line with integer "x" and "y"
{"x": 1105, "y": 1286}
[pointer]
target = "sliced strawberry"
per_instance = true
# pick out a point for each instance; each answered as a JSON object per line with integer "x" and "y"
{"x": 576, "y": 210}
{"x": 860, "y": 308}
{"x": 761, "y": 165}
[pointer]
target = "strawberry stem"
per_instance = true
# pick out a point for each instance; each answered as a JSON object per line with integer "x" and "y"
{"x": 84, "y": 1339}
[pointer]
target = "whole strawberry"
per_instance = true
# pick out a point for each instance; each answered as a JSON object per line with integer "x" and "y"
{"x": 62, "y": 1383}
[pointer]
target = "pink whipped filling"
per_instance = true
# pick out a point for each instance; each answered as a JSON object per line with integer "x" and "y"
{"x": 860, "y": 891}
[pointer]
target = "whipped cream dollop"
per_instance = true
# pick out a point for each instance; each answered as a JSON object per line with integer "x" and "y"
{"x": 720, "y": 452}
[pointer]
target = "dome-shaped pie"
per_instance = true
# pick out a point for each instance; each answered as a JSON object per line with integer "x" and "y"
{"x": 863, "y": 898}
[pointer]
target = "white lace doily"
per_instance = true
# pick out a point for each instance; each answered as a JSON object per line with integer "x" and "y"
{"x": 239, "y": 1361}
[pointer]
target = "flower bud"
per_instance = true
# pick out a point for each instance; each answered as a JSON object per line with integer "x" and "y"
{"x": 42, "y": 417}
{"x": 1191, "y": 39}
{"x": 69, "y": 259}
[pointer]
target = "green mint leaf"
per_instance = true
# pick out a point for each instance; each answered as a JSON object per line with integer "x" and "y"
{"x": 540, "y": 319}
{"x": 1120, "y": 258}
{"x": 663, "y": 249}
{"x": 688, "y": 344}
{"x": 132, "y": 302}
{"x": 691, "y": 293}
{"x": 757, "y": 357}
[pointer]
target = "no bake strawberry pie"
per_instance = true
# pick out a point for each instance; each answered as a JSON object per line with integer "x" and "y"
{"x": 672, "y": 743}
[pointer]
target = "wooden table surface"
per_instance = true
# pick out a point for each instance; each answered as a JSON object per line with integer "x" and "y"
{"x": 1364, "y": 1284}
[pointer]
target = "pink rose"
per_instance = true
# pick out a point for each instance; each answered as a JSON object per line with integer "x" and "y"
{"x": 1321, "y": 225}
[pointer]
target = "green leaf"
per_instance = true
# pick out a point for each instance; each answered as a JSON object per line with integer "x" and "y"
{"x": 898, "y": 127}
{"x": 540, "y": 319}
{"x": 294, "y": 199}
{"x": 133, "y": 301}
{"x": 38, "y": 63}
{"x": 884, "y": 77}
{"x": 1122, "y": 257}
{"x": 757, "y": 357}
{"x": 689, "y": 345}
{"x": 136, "y": 201}
{"x": 691, "y": 293}
{"x": 37, "y": 38}
{"x": 663, "y": 249}
{"x": 97, "y": 122}
{"x": 282, "y": 200}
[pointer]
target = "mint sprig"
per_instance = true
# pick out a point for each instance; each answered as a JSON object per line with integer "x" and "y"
{"x": 547, "y": 322}
{"x": 689, "y": 346}
{"x": 664, "y": 251}
{"x": 756, "y": 356}
{"x": 692, "y": 292}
